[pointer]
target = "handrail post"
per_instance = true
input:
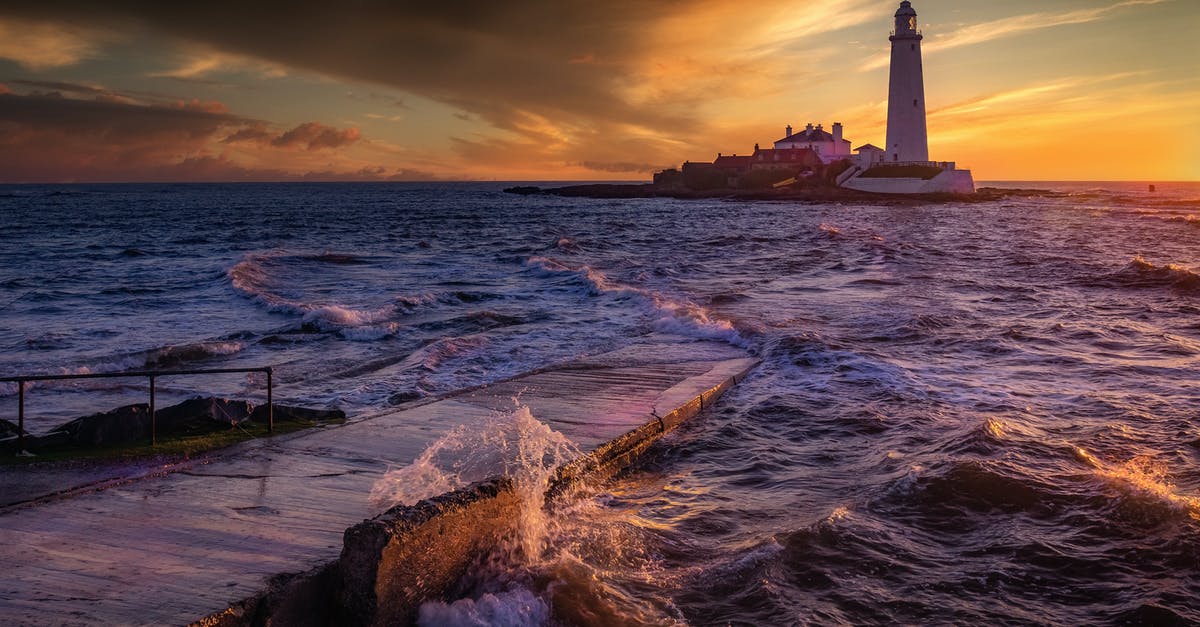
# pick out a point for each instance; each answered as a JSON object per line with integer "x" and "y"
{"x": 20, "y": 417}
{"x": 270, "y": 405}
{"x": 153, "y": 422}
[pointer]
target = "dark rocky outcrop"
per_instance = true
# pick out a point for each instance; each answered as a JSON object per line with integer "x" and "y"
{"x": 122, "y": 425}
{"x": 288, "y": 413}
{"x": 131, "y": 424}
{"x": 9, "y": 429}
{"x": 819, "y": 193}
{"x": 8, "y": 436}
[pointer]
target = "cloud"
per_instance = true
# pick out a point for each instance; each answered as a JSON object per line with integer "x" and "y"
{"x": 198, "y": 63}
{"x": 1009, "y": 26}
{"x": 614, "y": 62}
{"x": 621, "y": 167}
{"x": 308, "y": 136}
{"x": 86, "y": 133}
{"x": 40, "y": 45}
{"x": 315, "y": 136}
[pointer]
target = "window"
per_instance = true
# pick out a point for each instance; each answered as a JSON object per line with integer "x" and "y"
{"x": 913, "y": 47}
{"x": 914, "y": 102}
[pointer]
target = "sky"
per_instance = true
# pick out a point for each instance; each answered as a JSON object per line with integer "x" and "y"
{"x": 531, "y": 90}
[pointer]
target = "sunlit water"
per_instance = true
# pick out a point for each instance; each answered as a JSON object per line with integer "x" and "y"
{"x": 973, "y": 414}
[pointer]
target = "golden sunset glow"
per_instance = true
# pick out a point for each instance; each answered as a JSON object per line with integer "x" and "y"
{"x": 1079, "y": 90}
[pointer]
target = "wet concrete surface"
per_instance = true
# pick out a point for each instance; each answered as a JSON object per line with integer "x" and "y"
{"x": 176, "y": 546}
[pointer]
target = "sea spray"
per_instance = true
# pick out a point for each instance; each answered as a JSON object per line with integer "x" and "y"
{"x": 512, "y": 444}
{"x": 557, "y": 566}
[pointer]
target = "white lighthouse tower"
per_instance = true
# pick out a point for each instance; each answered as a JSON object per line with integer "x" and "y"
{"x": 906, "y": 136}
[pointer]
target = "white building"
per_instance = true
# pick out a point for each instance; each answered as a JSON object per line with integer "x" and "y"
{"x": 902, "y": 166}
{"x": 829, "y": 146}
{"x": 907, "y": 139}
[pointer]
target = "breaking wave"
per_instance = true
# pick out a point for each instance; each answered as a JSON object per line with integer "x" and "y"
{"x": 1172, "y": 275}
{"x": 676, "y": 316}
{"x": 252, "y": 278}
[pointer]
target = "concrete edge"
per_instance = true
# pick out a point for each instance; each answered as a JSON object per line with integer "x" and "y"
{"x": 621, "y": 451}
{"x": 392, "y": 563}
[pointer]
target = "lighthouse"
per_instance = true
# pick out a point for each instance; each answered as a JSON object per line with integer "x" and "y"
{"x": 906, "y": 136}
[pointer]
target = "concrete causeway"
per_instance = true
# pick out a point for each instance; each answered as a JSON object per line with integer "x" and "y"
{"x": 173, "y": 548}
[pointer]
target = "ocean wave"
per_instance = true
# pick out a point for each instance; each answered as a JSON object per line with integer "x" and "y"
{"x": 675, "y": 316}
{"x": 1190, "y": 220}
{"x": 177, "y": 355}
{"x": 161, "y": 358}
{"x": 986, "y": 485}
{"x": 1170, "y": 274}
{"x": 337, "y": 317}
{"x": 1146, "y": 491}
{"x": 252, "y": 277}
{"x": 336, "y": 258}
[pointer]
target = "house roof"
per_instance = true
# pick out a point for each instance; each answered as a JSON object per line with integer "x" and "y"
{"x": 869, "y": 147}
{"x": 815, "y": 135}
{"x": 732, "y": 161}
{"x": 785, "y": 155}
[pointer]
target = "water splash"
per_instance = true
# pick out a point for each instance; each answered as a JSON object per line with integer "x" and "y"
{"x": 512, "y": 444}
{"x": 1143, "y": 476}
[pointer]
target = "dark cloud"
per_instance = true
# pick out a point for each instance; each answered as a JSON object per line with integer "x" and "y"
{"x": 59, "y": 86}
{"x": 307, "y": 136}
{"x": 559, "y": 59}
{"x": 391, "y": 101}
{"x": 315, "y": 136}
{"x": 118, "y": 122}
{"x": 46, "y": 137}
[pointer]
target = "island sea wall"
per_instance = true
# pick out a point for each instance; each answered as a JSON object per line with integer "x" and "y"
{"x": 946, "y": 182}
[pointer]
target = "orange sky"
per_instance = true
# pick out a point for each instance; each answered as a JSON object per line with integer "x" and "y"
{"x": 539, "y": 90}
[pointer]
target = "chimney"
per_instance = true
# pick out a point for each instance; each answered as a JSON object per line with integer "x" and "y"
{"x": 809, "y": 127}
{"x": 818, "y": 127}
{"x": 788, "y": 131}
{"x": 837, "y": 131}
{"x": 755, "y": 146}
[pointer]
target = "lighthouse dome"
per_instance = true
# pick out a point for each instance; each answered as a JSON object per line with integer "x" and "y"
{"x": 905, "y": 9}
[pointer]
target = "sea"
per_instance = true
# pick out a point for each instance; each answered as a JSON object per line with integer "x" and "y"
{"x": 965, "y": 413}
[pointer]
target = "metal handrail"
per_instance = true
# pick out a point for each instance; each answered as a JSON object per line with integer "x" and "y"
{"x": 21, "y": 380}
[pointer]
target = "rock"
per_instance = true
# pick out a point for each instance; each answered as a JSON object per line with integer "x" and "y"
{"x": 122, "y": 425}
{"x": 8, "y": 437}
{"x": 287, "y": 413}
{"x": 48, "y": 440}
{"x": 400, "y": 398}
{"x": 131, "y": 423}
{"x": 9, "y": 429}
{"x": 202, "y": 415}
{"x": 196, "y": 416}
{"x": 523, "y": 190}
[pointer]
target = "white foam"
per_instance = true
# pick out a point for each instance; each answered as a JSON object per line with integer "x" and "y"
{"x": 512, "y": 608}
